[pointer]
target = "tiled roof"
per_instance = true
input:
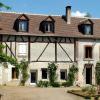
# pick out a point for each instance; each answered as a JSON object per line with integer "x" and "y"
{"x": 7, "y": 21}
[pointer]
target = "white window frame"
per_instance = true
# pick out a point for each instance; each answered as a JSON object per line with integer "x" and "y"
{"x": 23, "y": 25}
{"x": 22, "y": 49}
{"x": 48, "y": 27}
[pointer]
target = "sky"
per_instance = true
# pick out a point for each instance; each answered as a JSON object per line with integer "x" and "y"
{"x": 55, "y": 7}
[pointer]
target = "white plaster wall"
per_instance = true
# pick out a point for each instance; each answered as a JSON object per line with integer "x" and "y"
{"x": 48, "y": 55}
{"x": 81, "y": 61}
{"x": 38, "y": 65}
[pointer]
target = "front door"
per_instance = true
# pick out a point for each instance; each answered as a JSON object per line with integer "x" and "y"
{"x": 33, "y": 76}
{"x": 89, "y": 74}
{"x": 14, "y": 74}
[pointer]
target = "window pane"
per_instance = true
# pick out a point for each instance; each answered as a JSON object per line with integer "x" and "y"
{"x": 23, "y": 26}
{"x": 87, "y": 29}
{"x": 22, "y": 49}
{"x": 63, "y": 74}
{"x": 49, "y": 27}
{"x": 88, "y": 52}
{"x": 44, "y": 73}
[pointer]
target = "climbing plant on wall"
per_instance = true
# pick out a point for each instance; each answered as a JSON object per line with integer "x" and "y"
{"x": 5, "y": 58}
{"x": 97, "y": 76}
{"x": 24, "y": 71}
{"x": 71, "y": 75}
{"x": 52, "y": 67}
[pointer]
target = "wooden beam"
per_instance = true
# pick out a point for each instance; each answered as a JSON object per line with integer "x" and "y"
{"x": 29, "y": 49}
{"x": 75, "y": 49}
{"x": 42, "y": 52}
{"x": 10, "y": 50}
{"x": 53, "y": 61}
{"x": 55, "y": 51}
{"x": 65, "y": 52}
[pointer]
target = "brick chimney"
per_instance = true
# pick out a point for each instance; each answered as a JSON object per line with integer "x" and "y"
{"x": 68, "y": 14}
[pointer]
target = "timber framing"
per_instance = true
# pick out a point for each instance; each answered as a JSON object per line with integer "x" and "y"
{"x": 40, "y": 39}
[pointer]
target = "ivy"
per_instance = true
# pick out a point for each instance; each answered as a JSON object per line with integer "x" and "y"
{"x": 23, "y": 66}
{"x": 71, "y": 75}
{"x": 5, "y": 58}
{"x": 24, "y": 71}
{"x": 52, "y": 72}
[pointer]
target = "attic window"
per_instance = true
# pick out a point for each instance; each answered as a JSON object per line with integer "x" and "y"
{"x": 23, "y": 26}
{"x": 48, "y": 27}
{"x": 88, "y": 29}
{"x": 21, "y": 23}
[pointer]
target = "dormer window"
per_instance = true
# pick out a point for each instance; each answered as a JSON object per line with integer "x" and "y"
{"x": 23, "y": 26}
{"x": 87, "y": 29}
{"x": 49, "y": 27}
{"x": 22, "y": 23}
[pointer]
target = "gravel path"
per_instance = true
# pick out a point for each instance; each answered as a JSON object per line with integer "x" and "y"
{"x": 32, "y": 93}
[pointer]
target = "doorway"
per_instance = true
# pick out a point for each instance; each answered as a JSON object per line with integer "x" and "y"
{"x": 88, "y": 74}
{"x": 33, "y": 76}
{"x": 14, "y": 74}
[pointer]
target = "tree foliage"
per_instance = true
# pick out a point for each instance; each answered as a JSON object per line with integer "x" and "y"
{"x": 9, "y": 59}
{"x": 97, "y": 74}
{"x": 2, "y": 5}
{"x": 24, "y": 71}
{"x": 52, "y": 72}
{"x": 71, "y": 75}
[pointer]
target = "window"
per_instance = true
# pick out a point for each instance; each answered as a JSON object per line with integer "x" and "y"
{"x": 87, "y": 29}
{"x": 23, "y": 26}
{"x": 63, "y": 74}
{"x": 44, "y": 73}
{"x": 22, "y": 49}
{"x": 49, "y": 27}
{"x": 88, "y": 52}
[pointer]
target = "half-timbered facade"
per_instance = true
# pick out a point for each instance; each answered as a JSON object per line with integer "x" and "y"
{"x": 41, "y": 39}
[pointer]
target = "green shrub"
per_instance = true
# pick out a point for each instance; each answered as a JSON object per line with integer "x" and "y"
{"x": 43, "y": 84}
{"x": 71, "y": 75}
{"x": 55, "y": 84}
{"x": 89, "y": 89}
{"x": 52, "y": 68}
{"x": 86, "y": 88}
{"x": 64, "y": 84}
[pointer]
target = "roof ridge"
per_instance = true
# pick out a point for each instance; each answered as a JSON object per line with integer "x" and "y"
{"x": 28, "y": 13}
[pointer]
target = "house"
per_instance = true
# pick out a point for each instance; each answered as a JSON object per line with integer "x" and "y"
{"x": 41, "y": 39}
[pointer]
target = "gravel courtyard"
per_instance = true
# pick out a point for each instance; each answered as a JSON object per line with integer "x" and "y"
{"x": 33, "y": 93}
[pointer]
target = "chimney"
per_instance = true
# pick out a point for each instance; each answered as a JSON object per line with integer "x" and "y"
{"x": 68, "y": 14}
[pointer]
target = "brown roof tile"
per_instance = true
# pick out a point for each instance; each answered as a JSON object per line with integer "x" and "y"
{"x": 61, "y": 27}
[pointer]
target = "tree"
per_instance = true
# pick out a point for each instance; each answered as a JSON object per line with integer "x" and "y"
{"x": 4, "y": 6}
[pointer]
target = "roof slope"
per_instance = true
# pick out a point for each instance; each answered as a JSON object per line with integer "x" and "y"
{"x": 7, "y": 21}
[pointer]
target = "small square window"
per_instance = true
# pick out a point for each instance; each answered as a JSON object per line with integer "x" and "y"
{"x": 87, "y": 29}
{"x": 23, "y": 26}
{"x": 63, "y": 74}
{"x": 44, "y": 73}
